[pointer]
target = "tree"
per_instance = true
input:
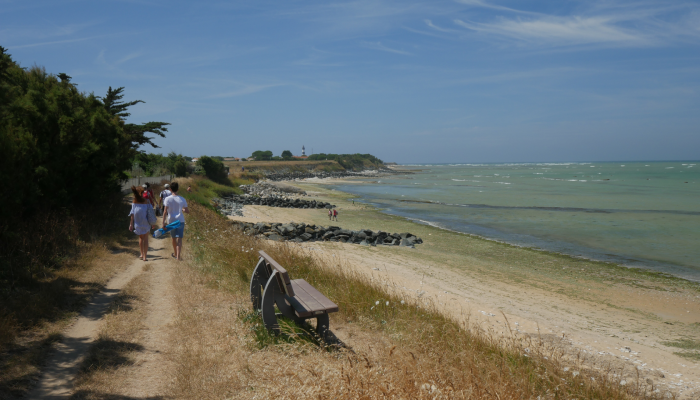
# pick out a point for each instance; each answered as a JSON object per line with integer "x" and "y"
{"x": 134, "y": 134}
{"x": 260, "y": 155}
{"x": 213, "y": 169}
{"x": 287, "y": 154}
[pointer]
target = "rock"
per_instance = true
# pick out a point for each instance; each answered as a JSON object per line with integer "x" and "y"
{"x": 309, "y": 230}
{"x": 406, "y": 243}
{"x": 364, "y": 243}
{"x": 306, "y": 236}
{"x": 275, "y": 236}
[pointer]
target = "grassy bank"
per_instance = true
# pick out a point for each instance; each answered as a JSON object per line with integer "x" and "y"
{"x": 289, "y": 166}
{"x": 417, "y": 352}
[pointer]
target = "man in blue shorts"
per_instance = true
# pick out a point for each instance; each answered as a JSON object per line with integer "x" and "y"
{"x": 175, "y": 207}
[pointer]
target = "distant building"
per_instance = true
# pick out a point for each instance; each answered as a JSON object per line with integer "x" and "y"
{"x": 303, "y": 154}
{"x": 195, "y": 159}
{"x": 230, "y": 159}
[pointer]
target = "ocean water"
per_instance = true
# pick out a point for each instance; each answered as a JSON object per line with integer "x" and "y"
{"x": 642, "y": 214}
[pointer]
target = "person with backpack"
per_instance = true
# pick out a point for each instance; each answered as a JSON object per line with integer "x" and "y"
{"x": 163, "y": 194}
{"x": 148, "y": 194}
{"x": 330, "y": 214}
{"x": 143, "y": 217}
{"x": 335, "y": 215}
{"x": 175, "y": 209}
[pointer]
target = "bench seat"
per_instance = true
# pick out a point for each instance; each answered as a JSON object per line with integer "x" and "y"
{"x": 309, "y": 302}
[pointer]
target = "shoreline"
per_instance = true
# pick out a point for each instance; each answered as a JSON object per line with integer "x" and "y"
{"x": 613, "y": 261}
{"x": 526, "y": 241}
{"x": 602, "y": 307}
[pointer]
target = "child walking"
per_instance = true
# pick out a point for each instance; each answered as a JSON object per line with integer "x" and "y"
{"x": 139, "y": 220}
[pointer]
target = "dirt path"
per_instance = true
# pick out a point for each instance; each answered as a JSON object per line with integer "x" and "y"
{"x": 146, "y": 378}
{"x": 145, "y": 375}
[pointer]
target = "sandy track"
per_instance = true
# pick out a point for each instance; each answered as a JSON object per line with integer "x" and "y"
{"x": 145, "y": 376}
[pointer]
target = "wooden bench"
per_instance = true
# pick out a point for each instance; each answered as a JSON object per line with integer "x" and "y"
{"x": 296, "y": 299}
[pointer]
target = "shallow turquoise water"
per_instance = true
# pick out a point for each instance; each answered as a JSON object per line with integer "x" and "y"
{"x": 636, "y": 213}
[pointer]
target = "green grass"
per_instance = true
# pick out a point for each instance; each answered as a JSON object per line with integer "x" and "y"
{"x": 204, "y": 190}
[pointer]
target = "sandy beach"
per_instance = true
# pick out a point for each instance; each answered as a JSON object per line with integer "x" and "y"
{"x": 611, "y": 316}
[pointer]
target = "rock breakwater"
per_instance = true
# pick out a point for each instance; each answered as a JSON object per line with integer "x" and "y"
{"x": 233, "y": 205}
{"x": 312, "y": 233}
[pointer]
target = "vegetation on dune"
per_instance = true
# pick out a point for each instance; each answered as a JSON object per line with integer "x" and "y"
{"x": 352, "y": 162}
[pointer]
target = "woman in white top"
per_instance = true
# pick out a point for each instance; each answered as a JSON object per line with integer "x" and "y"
{"x": 175, "y": 207}
{"x": 139, "y": 220}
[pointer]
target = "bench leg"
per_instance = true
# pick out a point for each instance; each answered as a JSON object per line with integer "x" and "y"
{"x": 257, "y": 281}
{"x": 322, "y": 324}
{"x": 286, "y": 309}
{"x": 268, "y": 304}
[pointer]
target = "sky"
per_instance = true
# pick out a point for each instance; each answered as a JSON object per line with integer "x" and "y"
{"x": 407, "y": 81}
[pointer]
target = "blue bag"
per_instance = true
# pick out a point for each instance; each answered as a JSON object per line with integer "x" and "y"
{"x": 168, "y": 228}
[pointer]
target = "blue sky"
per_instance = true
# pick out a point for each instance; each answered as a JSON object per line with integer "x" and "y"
{"x": 408, "y": 81}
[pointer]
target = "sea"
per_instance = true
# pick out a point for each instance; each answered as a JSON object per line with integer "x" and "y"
{"x": 637, "y": 214}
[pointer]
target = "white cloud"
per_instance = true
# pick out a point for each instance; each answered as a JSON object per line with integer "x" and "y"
{"x": 611, "y": 24}
{"x": 560, "y": 30}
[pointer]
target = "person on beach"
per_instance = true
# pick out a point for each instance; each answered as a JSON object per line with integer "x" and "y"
{"x": 175, "y": 207}
{"x": 163, "y": 195}
{"x": 335, "y": 215}
{"x": 330, "y": 214}
{"x": 139, "y": 220}
{"x": 189, "y": 189}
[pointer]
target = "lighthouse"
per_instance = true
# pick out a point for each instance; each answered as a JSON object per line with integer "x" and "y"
{"x": 303, "y": 151}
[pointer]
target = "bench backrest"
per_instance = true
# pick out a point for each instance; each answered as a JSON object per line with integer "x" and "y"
{"x": 283, "y": 280}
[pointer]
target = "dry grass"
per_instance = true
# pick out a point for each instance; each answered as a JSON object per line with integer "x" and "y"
{"x": 403, "y": 349}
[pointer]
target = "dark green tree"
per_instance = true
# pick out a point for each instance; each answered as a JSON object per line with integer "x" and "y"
{"x": 213, "y": 169}
{"x": 261, "y": 155}
{"x": 287, "y": 154}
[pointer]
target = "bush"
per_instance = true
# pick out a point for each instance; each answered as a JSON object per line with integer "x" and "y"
{"x": 213, "y": 169}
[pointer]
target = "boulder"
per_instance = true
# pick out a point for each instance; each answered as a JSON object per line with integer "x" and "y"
{"x": 406, "y": 243}
{"x": 275, "y": 236}
{"x": 305, "y": 236}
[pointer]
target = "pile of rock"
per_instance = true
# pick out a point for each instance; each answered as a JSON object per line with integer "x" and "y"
{"x": 271, "y": 189}
{"x": 271, "y": 201}
{"x": 228, "y": 207}
{"x": 312, "y": 233}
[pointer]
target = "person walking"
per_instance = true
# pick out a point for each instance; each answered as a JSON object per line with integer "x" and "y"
{"x": 330, "y": 214}
{"x": 335, "y": 215}
{"x": 175, "y": 207}
{"x": 163, "y": 194}
{"x": 139, "y": 220}
{"x": 148, "y": 194}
